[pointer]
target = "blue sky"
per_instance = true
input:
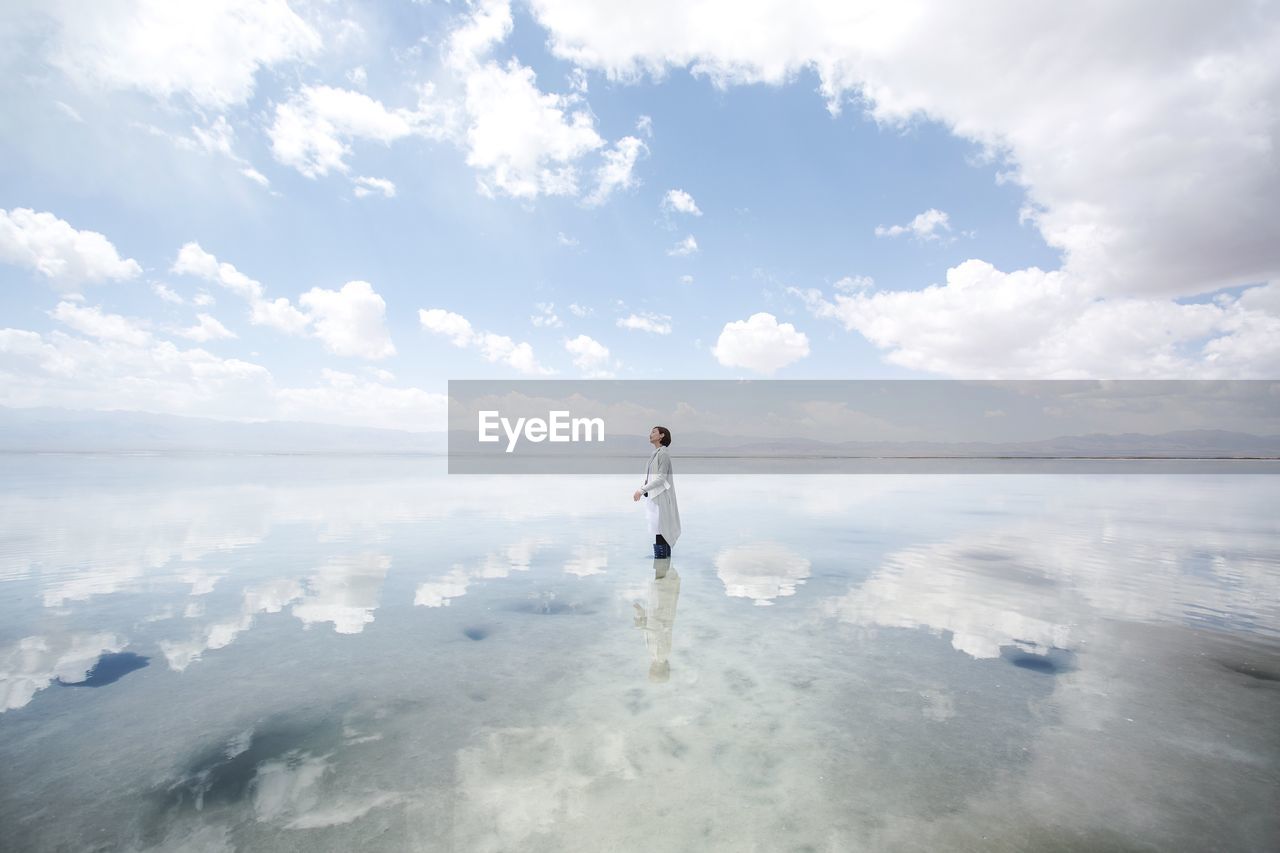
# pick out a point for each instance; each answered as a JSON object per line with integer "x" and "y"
{"x": 401, "y": 193}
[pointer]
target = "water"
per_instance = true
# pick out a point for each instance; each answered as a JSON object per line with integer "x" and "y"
{"x": 282, "y": 653}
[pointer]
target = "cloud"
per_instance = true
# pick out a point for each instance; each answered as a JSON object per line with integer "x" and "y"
{"x": 313, "y": 130}
{"x": 279, "y": 314}
{"x": 761, "y": 571}
{"x": 658, "y": 324}
{"x": 546, "y": 316}
{"x": 350, "y": 321}
{"x": 760, "y": 343}
{"x": 488, "y": 26}
{"x": 454, "y": 326}
{"x": 493, "y": 347}
{"x": 208, "y": 52}
{"x": 67, "y": 258}
{"x": 580, "y": 310}
{"x": 166, "y": 293}
{"x": 118, "y": 367}
{"x": 1148, "y": 159}
{"x": 687, "y": 246}
{"x": 217, "y": 138}
{"x": 590, "y": 356}
{"x": 255, "y": 176}
{"x": 679, "y": 201}
{"x": 616, "y": 172}
{"x": 686, "y": 279}
{"x": 565, "y": 240}
{"x": 524, "y": 142}
{"x": 33, "y": 663}
{"x": 347, "y": 399}
{"x": 854, "y": 283}
{"x": 985, "y": 323}
{"x": 925, "y": 226}
{"x": 206, "y": 329}
{"x": 369, "y": 186}
{"x": 105, "y": 327}
{"x": 345, "y": 592}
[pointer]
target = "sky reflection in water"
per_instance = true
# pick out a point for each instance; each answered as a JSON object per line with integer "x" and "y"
{"x": 367, "y": 649}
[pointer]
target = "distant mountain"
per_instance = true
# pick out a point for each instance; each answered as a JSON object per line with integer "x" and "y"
{"x": 62, "y": 430}
{"x": 1200, "y": 444}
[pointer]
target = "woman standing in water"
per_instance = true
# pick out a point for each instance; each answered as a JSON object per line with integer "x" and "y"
{"x": 659, "y": 494}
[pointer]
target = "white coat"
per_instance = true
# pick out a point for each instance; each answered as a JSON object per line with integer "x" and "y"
{"x": 660, "y": 488}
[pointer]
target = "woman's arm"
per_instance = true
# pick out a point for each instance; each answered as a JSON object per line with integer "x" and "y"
{"x": 660, "y": 476}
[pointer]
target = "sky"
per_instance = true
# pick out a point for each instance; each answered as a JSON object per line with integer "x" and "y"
{"x": 321, "y": 210}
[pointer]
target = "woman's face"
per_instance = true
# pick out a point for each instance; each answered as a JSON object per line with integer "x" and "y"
{"x": 655, "y": 437}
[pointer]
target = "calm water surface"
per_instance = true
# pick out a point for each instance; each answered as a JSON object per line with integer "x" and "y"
{"x": 364, "y": 653}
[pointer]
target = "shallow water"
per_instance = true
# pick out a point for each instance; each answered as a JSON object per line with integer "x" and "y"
{"x": 288, "y": 653}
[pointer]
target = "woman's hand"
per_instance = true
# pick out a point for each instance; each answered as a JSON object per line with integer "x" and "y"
{"x": 636, "y": 496}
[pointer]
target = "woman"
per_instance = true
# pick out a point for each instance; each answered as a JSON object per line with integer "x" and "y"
{"x": 659, "y": 495}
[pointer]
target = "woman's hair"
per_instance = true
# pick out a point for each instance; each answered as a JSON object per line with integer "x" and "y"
{"x": 666, "y": 435}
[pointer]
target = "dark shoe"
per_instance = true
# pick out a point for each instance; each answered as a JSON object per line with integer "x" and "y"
{"x": 665, "y": 551}
{"x": 657, "y": 551}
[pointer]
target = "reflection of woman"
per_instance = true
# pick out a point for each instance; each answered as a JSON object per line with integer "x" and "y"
{"x": 659, "y": 495}
{"x": 660, "y": 617}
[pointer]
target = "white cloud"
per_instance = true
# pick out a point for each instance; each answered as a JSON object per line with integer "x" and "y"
{"x": 686, "y": 279}
{"x": 453, "y": 326}
{"x": 658, "y": 324}
{"x": 67, "y": 258}
{"x": 518, "y": 355}
{"x": 255, "y": 176}
{"x": 69, "y": 111}
{"x": 855, "y": 283}
{"x": 616, "y": 171}
{"x": 644, "y": 125}
{"x": 166, "y": 293}
{"x": 494, "y": 347}
{"x": 33, "y": 663}
{"x": 368, "y": 186}
{"x": 358, "y": 77}
{"x": 565, "y": 240}
{"x": 279, "y": 313}
{"x": 104, "y": 327}
{"x": 488, "y": 26}
{"x": 345, "y": 592}
{"x": 924, "y": 226}
{"x": 343, "y": 398}
{"x": 687, "y": 246}
{"x": 546, "y": 316}
{"x": 679, "y": 201}
{"x": 760, "y": 343}
{"x": 350, "y": 321}
{"x": 524, "y": 142}
{"x": 985, "y": 323}
{"x": 579, "y": 310}
{"x": 203, "y": 299}
{"x": 590, "y": 356}
{"x": 761, "y": 571}
{"x": 209, "y": 52}
{"x": 313, "y": 130}
{"x": 117, "y": 369}
{"x": 111, "y": 371}
{"x": 206, "y": 328}
{"x": 1148, "y": 159}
